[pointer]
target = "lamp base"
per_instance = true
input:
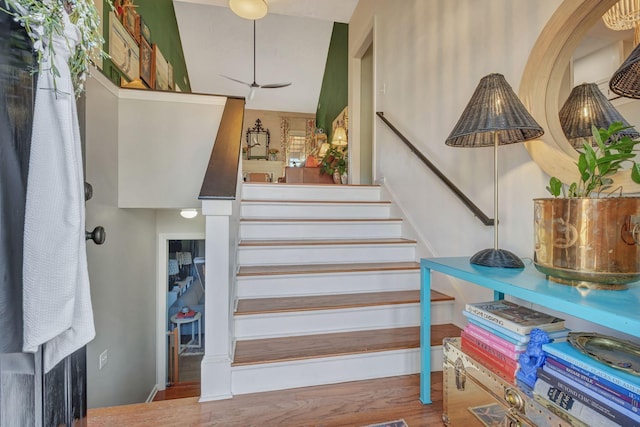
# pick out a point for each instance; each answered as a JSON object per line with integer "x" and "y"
{"x": 497, "y": 258}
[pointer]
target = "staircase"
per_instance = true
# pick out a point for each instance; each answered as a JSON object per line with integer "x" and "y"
{"x": 327, "y": 290}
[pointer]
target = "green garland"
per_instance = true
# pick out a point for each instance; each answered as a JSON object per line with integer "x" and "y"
{"x": 42, "y": 19}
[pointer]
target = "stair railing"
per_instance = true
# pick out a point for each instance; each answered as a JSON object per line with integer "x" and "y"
{"x": 467, "y": 202}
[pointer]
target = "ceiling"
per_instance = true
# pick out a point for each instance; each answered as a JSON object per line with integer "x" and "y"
{"x": 292, "y": 42}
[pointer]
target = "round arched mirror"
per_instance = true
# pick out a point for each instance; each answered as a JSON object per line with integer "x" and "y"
{"x": 542, "y": 80}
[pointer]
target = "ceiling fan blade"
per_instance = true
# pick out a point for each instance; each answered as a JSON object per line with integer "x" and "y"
{"x": 252, "y": 93}
{"x": 254, "y": 86}
{"x": 275, "y": 85}
{"x": 235, "y": 80}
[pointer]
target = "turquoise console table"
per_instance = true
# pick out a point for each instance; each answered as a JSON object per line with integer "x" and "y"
{"x": 619, "y": 310}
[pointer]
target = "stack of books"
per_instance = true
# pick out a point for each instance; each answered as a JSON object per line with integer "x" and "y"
{"x": 498, "y": 332}
{"x": 588, "y": 391}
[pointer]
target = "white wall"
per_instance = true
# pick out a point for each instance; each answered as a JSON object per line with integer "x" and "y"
{"x": 164, "y": 145}
{"x": 122, "y": 270}
{"x": 429, "y": 56}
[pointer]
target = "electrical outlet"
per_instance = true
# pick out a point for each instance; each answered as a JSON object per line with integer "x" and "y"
{"x": 102, "y": 359}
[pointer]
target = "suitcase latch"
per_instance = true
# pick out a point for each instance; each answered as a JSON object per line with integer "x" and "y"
{"x": 514, "y": 399}
{"x": 461, "y": 374}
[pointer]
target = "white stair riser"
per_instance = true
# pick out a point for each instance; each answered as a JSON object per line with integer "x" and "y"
{"x": 290, "y": 230}
{"x": 326, "y": 283}
{"x": 256, "y": 326}
{"x": 310, "y": 192}
{"x": 326, "y": 321}
{"x": 329, "y": 370}
{"x": 314, "y": 210}
{"x": 321, "y": 254}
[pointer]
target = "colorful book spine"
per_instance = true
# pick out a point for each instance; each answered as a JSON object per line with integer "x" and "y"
{"x": 608, "y": 409}
{"x": 601, "y": 386}
{"x": 503, "y": 333}
{"x": 504, "y": 346}
{"x": 563, "y": 351}
{"x": 514, "y": 317}
{"x": 488, "y": 347}
{"x": 508, "y": 335}
{"x": 543, "y": 391}
{"x": 505, "y": 369}
{"x": 558, "y": 411}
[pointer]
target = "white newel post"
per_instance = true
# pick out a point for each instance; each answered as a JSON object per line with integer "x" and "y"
{"x": 216, "y": 364}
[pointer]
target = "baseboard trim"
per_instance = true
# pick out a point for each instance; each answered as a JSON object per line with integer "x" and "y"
{"x": 153, "y": 393}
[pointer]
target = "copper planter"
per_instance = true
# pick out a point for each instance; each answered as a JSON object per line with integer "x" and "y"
{"x": 588, "y": 242}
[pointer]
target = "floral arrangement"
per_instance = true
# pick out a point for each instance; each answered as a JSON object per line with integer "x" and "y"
{"x": 334, "y": 160}
{"x": 42, "y": 19}
{"x": 273, "y": 151}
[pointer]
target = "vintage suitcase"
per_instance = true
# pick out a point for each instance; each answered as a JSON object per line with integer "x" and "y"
{"x": 474, "y": 396}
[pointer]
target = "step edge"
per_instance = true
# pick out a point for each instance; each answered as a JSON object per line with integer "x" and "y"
{"x": 332, "y": 242}
{"x": 326, "y": 308}
{"x": 344, "y": 354}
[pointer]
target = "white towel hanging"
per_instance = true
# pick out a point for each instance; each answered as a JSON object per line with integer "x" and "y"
{"x": 56, "y": 299}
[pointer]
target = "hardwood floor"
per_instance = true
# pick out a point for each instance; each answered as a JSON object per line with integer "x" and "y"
{"x": 352, "y": 404}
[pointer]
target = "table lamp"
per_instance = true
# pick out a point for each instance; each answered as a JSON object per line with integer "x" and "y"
{"x": 494, "y": 116}
{"x": 626, "y": 80}
{"x": 587, "y": 106}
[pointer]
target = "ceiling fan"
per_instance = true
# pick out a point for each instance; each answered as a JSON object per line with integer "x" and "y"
{"x": 254, "y": 86}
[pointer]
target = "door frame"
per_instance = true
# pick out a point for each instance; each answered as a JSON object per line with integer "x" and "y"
{"x": 355, "y": 109}
{"x": 161, "y": 301}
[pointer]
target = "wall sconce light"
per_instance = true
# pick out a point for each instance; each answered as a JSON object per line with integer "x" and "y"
{"x": 189, "y": 213}
{"x": 249, "y": 9}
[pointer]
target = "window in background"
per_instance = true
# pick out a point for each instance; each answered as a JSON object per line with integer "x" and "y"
{"x": 296, "y": 154}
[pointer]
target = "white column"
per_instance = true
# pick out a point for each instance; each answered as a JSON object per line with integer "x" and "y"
{"x": 216, "y": 364}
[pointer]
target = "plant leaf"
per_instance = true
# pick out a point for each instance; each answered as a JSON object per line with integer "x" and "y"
{"x": 635, "y": 173}
{"x": 555, "y": 185}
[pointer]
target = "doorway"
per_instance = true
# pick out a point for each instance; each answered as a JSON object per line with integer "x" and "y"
{"x": 185, "y": 310}
{"x": 180, "y": 302}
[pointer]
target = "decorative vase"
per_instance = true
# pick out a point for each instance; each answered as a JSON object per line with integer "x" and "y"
{"x": 344, "y": 178}
{"x": 336, "y": 177}
{"x": 588, "y": 242}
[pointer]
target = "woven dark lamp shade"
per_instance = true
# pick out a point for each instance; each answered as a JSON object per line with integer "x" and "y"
{"x": 494, "y": 111}
{"x": 494, "y": 116}
{"x": 626, "y": 80}
{"x": 587, "y": 106}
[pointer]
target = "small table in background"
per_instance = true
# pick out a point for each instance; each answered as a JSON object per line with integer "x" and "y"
{"x": 183, "y": 321}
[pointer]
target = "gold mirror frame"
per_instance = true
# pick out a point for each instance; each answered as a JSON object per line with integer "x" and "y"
{"x": 540, "y": 87}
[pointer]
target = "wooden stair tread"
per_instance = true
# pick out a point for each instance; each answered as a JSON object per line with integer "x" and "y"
{"x": 267, "y": 270}
{"x": 325, "y": 302}
{"x": 272, "y": 350}
{"x": 323, "y": 202}
{"x": 332, "y": 220}
{"x": 309, "y": 184}
{"x": 388, "y": 241}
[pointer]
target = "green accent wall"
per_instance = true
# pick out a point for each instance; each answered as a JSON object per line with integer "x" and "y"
{"x": 160, "y": 17}
{"x": 334, "y": 91}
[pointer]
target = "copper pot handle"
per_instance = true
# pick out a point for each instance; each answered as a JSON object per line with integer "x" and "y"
{"x": 630, "y": 232}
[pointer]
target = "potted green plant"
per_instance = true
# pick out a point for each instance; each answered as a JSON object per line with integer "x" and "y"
{"x": 587, "y": 234}
{"x": 334, "y": 163}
